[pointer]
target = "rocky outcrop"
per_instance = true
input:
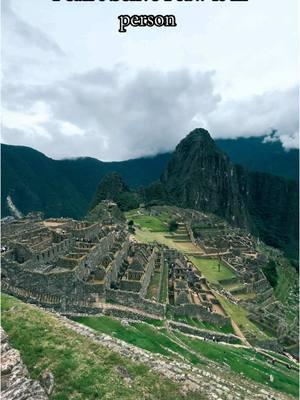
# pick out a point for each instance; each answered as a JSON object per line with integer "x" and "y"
{"x": 200, "y": 176}
{"x": 15, "y": 381}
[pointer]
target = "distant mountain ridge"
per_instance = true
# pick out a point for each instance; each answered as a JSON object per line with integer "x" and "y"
{"x": 64, "y": 188}
{"x": 67, "y": 187}
{"x": 260, "y": 155}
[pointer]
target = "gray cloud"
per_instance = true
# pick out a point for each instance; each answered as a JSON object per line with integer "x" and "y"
{"x": 14, "y": 28}
{"x": 123, "y": 112}
{"x": 119, "y": 114}
{"x": 110, "y": 114}
{"x": 259, "y": 115}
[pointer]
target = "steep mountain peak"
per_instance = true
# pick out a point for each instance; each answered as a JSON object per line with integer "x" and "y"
{"x": 198, "y": 142}
{"x": 200, "y": 176}
{"x": 199, "y": 135}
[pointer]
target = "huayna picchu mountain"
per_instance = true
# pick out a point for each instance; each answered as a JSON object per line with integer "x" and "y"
{"x": 200, "y": 176}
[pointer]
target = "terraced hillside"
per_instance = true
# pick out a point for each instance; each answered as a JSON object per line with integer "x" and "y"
{"x": 122, "y": 359}
{"x": 236, "y": 267}
{"x": 82, "y": 369}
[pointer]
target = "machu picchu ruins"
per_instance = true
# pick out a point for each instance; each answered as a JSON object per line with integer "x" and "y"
{"x": 182, "y": 291}
{"x": 87, "y": 267}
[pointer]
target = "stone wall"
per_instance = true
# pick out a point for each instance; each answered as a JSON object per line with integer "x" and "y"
{"x": 148, "y": 273}
{"x": 162, "y": 265}
{"x": 191, "y": 234}
{"x": 88, "y": 232}
{"x": 60, "y": 283}
{"x": 54, "y": 251}
{"x": 114, "y": 268}
{"x": 211, "y": 335}
{"x": 197, "y": 311}
{"x": 134, "y": 300}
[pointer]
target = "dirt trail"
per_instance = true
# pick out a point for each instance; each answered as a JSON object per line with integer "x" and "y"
{"x": 239, "y": 333}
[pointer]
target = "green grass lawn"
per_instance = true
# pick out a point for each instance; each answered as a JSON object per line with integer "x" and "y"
{"x": 210, "y": 269}
{"x": 140, "y": 335}
{"x": 82, "y": 369}
{"x": 241, "y": 360}
{"x": 206, "y": 325}
{"x": 245, "y": 296}
{"x": 253, "y": 365}
{"x": 153, "y": 223}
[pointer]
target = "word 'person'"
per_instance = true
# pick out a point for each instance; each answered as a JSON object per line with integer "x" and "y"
{"x": 146, "y": 21}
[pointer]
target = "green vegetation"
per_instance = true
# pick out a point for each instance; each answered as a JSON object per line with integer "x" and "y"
{"x": 246, "y": 296}
{"x": 287, "y": 280}
{"x": 102, "y": 213}
{"x": 205, "y": 325}
{"x": 149, "y": 222}
{"x": 213, "y": 269}
{"x": 154, "y": 224}
{"x": 241, "y": 360}
{"x": 146, "y": 236}
{"x": 85, "y": 370}
{"x": 246, "y": 361}
{"x": 66, "y": 187}
{"x": 269, "y": 156}
{"x": 82, "y": 369}
{"x": 112, "y": 187}
{"x": 140, "y": 335}
{"x": 240, "y": 316}
{"x": 270, "y": 271}
{"x": 173, "y": 225}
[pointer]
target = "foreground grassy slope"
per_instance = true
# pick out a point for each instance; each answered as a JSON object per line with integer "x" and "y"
{"x": 82, "y": 369}
{"x": 242, "y": 360}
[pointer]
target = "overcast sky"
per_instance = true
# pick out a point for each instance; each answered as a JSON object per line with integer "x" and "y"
{"x": 72, "y": 85}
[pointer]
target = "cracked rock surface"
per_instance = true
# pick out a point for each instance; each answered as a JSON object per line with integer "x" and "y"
{"x": 15, "y": 381}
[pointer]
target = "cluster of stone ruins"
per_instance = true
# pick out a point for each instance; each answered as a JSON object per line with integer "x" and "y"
{"x": 84, "y": 267}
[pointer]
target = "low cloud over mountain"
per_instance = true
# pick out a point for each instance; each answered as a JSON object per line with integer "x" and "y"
{"x": 121, "y": 114}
